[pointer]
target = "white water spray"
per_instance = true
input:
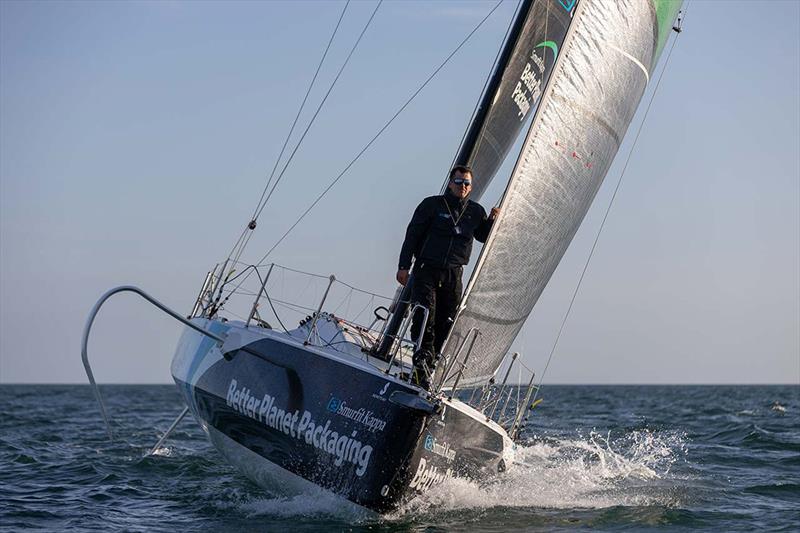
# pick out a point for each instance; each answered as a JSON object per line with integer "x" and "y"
{"x": 587, "y": 472}
{"x": 594, "y": 471}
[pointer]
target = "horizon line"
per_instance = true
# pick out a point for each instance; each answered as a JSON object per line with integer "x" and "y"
{"x": 628, "y": 384}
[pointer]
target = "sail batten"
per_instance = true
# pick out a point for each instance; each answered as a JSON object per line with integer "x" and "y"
{"x": 600, "y": 76}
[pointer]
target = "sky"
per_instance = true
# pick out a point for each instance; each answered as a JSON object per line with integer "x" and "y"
{"x": 136, "y": 137}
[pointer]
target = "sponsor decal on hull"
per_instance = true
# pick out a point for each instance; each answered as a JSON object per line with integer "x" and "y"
{"x": 428, "y": 476}
{"x": 301, "y": 426}
{"x": 442, "y": 449}
{"x": 360, "y": 415}
{"x": 380, "y": 395}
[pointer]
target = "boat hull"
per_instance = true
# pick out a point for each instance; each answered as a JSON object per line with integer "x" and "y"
{"x": 336, "y": 423}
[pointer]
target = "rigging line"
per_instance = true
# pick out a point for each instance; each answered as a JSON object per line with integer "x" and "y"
{"x": 602, "y": 223}
{"x": 369, "y": 302}
{"x": 308, "y": 127}
{"x": 341, "y": 303}
{"x": 302, "y": 137}
{"x": 263, "y": 285}
{"x": 385, "y": 126}
{"x": 274, "y": 312}
{"x": 248, "y": 268}
{"x": 309, "y": 274}
{"x": 245, "y": 234}
{"x": 302, "y": 105}
{"x": 297, "y": 308}
{"x": 320, "y": 276}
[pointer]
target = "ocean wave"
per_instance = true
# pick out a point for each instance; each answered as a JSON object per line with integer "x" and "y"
{"x": 664, "y": 463}
{"x": 313, "y": 504}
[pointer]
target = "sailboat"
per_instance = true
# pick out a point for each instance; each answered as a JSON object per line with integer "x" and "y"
{"x": 329, "y": 403}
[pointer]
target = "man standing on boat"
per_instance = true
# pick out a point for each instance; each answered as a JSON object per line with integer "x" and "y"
{"x": 439, "y": 240}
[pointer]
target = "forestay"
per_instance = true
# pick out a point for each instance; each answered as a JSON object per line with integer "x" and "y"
{"x": 598, "y": 80}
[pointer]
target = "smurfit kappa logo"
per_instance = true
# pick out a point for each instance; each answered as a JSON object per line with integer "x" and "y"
{"x": 333, "y": 404}
{"x": 442, "y": 449}
{"x": 360, "y": 415}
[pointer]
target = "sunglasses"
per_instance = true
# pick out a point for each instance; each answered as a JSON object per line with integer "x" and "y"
{"x": 462, "y": 181}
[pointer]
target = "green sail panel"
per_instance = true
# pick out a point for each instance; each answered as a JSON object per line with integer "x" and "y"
{"x": 666, "y": 13}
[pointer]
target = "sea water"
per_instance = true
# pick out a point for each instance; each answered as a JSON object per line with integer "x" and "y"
{"x": 602, "y": 457}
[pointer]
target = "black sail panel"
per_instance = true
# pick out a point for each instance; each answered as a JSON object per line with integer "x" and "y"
{"x": 516, "y": 87}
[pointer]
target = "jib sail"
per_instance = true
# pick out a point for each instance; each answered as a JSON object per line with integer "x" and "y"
{"x": 597, "y": 82}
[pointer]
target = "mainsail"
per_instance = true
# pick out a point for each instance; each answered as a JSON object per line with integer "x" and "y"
{"x": 597, "y": 82}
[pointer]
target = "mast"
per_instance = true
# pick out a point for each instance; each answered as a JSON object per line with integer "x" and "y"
{"x": 465, "y": 157}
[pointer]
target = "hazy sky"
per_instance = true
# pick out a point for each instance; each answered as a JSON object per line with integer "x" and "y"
{"x": 135, "y": 138}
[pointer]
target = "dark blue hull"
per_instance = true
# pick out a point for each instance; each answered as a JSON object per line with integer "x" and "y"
{"x": 331, "y": 420}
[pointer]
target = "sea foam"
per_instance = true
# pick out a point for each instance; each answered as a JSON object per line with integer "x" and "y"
{"x": 591, "y": 471}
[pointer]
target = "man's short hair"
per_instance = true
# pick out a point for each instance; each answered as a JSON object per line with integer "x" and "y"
{"x": 460, "y": 168}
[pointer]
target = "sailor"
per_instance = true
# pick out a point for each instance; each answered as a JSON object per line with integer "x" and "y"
{"x": 439, "y": 240}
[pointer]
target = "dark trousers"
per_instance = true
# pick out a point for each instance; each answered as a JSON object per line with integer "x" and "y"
{"x": 438, "y": 289}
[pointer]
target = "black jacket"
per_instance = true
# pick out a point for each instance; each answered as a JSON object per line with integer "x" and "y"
{"x": 432, "y": 237}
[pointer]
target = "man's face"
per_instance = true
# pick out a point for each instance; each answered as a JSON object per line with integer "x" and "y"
{"x": 460, "y": 184}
